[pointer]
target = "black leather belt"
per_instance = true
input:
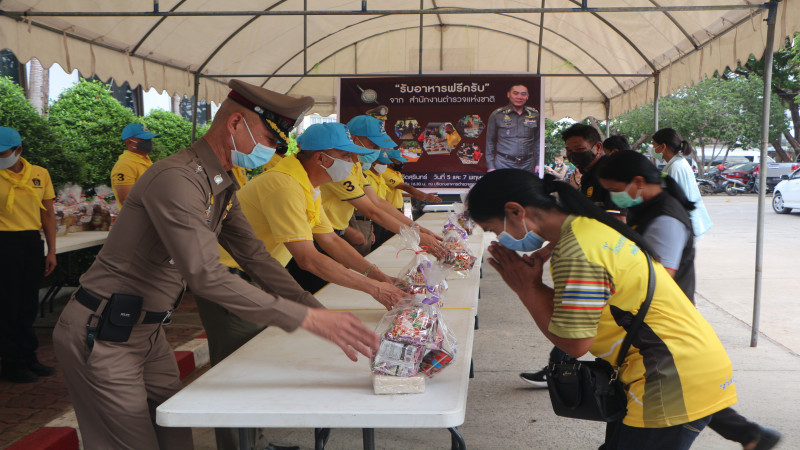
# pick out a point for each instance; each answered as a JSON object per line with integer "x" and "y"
{"x": 515, "y": 158}
{"x": 358, "y": 216}
{"x": 90, "y": 301}
{"x": 241, "y": 274}
{"x": 339, "y": 233}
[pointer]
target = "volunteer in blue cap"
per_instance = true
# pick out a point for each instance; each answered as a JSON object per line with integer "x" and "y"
{"x": 370, "y": 206}
{"x": 26, "y": 206}
{"x": 133, "y": 161}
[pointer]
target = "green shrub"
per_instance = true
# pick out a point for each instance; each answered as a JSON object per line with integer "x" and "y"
{"x": 89, "y": 121}
{"x": 42, "y": 145}
{"x": 175, "y": 131}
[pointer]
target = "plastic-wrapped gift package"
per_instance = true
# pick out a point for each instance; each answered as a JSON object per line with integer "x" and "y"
{"x": 458, "y": 258}
{"x": 411, "y": 278}
{"x": 461, "y": 218}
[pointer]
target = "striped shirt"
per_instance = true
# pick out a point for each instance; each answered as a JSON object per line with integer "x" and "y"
{"x": 676, "y": 370}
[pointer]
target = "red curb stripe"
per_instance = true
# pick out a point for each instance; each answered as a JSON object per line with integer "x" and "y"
{"x": 49, "y": 438}
{"x": 185, "y": 360}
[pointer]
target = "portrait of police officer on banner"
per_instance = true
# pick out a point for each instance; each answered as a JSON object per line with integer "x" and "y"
{"x": 512, "y": 133}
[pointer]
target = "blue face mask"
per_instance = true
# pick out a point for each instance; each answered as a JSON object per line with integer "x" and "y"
{"x": 623, "y": 200}
{"x": 530, "y": 242}
{"x": 260, "y": 155}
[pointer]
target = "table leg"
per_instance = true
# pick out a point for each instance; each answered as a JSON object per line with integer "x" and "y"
{"x": 244, "y": 439}
{"x": 321, "y": 436}
{"x": 456, "y": 440}
{"x": 471, "y": 369}
{"x": 369, "y": 438}
{"x": 476, "y": 322}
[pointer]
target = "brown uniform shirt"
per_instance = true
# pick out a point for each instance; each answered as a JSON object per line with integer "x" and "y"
{"x": 167, "y": 235}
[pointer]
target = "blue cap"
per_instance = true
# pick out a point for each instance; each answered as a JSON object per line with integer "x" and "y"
{"x": 371, "y": 128}
{"x": 325, "y": 136}
{"x": 387, "y": 156}
{"x": 9, "y": 138}
{"x": 139, "y": 131}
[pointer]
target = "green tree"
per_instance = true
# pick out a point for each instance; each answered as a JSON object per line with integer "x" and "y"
{"x": 42, "y": 145}
{"x": 175, "y": 131}
{"x": 786, "y": 86}
{"x": 89, "y": 121}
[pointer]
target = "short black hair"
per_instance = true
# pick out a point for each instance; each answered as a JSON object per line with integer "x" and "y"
{"x": 511, "y": 86}
{"x": 617, "y": 142}
{"x": 587, "y": 132}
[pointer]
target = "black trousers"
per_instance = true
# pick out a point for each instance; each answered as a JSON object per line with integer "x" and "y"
{"x": 21, "y": 269}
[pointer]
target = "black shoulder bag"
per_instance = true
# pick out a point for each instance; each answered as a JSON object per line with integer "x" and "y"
{"x": 590, "y": 390}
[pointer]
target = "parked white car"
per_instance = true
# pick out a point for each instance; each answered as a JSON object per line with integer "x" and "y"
{"x": 787, "y": 193}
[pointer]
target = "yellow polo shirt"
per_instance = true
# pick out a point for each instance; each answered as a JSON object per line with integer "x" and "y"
{"x": 393, "y": 179}
{"x": 240, "y": 173}
{"x": 129, "y": 167}
{"x": 26, "y": 208}
{"x": 377, "y": 183}
{"x": 275, "y": 205}
{"x": 276, "y": 158}
{"x": 336, "y": 196}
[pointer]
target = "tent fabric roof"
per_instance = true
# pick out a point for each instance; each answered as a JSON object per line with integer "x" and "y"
{"x": 596, "y": 63}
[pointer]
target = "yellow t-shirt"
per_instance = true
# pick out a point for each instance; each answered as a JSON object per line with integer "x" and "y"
{"x": 393, "y": 194}
{"x": 276, "y": 158}
{"x": 275, "y": 205}
{"x": 676, "y": 370}
{"x": 453, "y": 139}
{"x": 26, "y": 209}
{"x": 377, "y": 183}
{"x": 336, "y": 196}
{"x": 129, "y": 167}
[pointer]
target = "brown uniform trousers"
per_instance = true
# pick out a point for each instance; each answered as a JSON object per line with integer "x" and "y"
{"x": 167, "y": 236}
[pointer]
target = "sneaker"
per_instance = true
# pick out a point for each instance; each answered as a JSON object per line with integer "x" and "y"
{"x": 769, "y": 438}
{"x": 41, "y": 370}
{"x": 536, "y": 379}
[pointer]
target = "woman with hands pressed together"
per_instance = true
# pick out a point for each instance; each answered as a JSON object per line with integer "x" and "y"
{"x": 676, "y": 373}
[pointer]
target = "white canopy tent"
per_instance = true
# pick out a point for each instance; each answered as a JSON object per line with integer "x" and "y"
{"x": 599, "y": 58}
{"x": 600, "y": 61}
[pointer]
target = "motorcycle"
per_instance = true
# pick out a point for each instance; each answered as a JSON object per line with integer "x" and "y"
{"x": 712, "y": 184}
{"x": 734, "y": 187}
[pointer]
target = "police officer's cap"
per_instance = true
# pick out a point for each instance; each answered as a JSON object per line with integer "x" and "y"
{"x": 281, "y": 113}
{"x": 9, "y": 138}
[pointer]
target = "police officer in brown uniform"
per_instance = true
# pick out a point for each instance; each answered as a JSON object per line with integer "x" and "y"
{"x": 109, "y": 340}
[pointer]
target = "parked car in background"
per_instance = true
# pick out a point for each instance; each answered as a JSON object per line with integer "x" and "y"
{"x": 775, "y": 171}
{"x": 742, "y": 172}
{"x": 787, "y": 193}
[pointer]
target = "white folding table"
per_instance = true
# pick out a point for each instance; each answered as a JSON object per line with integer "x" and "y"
{"x": 298, "y": 380}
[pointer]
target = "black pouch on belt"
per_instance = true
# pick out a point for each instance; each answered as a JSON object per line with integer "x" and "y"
{"x": 119, "y": 317}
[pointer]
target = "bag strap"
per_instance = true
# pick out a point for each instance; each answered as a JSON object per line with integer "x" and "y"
{"x": 639, "y": 319}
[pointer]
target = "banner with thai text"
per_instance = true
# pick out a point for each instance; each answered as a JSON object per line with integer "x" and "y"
{"x": 440, "y": 123}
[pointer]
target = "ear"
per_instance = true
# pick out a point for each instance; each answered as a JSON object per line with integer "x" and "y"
{"x": 514, "y": 209}
{"x": 233, "y": 122}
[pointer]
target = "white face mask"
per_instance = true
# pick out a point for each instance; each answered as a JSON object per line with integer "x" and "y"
{"x": 339, "y": 170}
{"x": 380, "y": 168}
{"x": 9, "y": 160}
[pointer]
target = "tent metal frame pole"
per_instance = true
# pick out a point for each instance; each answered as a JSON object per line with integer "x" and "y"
{"x": 539, "y": 44}
{"x": 412, "y": 75}
{"x": 656, "y": 98}
{"x": 437, "y": 11}
{"x": 194, "y": 105}
{"x": 762, "y": 179}
{"x": 305, "y": 37}
{"x": 421, "y": 26}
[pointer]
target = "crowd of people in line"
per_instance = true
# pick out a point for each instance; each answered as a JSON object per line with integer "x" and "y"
{"x": 253, "y": 252}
